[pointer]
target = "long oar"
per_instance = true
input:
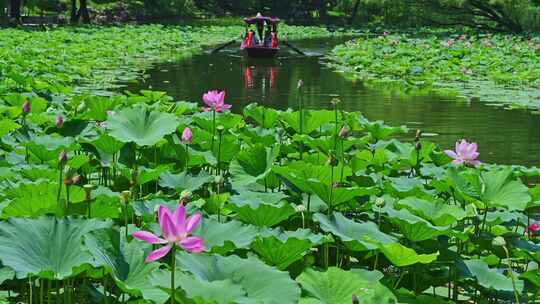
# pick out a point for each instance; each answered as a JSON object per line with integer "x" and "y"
{"x": 294, "y": 48}
{"x": 223, "y": 46}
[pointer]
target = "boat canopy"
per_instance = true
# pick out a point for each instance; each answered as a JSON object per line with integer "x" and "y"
{"x": 261, "y": 19}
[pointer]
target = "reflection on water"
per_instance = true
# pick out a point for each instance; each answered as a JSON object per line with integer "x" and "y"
{"x": 503, "y": 136}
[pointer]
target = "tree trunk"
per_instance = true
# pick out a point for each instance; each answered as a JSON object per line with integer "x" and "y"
{"x": 83, "y": 11}
{"x": 74, "y": 17}
{"x": 354, "y": 11}
{"x": 15, "y": 10}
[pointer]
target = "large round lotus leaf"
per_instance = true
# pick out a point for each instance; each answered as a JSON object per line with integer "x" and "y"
{"x": 338, "y": 286}
{"x": 224, "y": 237}
{"x": 414, "y": 227}
{"x": 184, "y": 180}
{"x": 125, "y": 262}
{"x": 437, "y": 212}
{"x": 259, "y": 282}
{"x": 491, "y": 278}
{"x": 252, "y": 164}
{"x": 500, "y": 189}
{"x": 261, "y": 208}
{"x": 47, "y": 246}
{"x": 264, "y": 117}
{"x": 141, "y": 126}
{"x": 281, "y": 249}
{"x": 357, "y": 236}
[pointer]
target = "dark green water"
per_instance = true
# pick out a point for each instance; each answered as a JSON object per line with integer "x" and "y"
{"x": 506, "y": 137}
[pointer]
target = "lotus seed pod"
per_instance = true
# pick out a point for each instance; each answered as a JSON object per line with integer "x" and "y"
{"x": 125, "y": 196}
{"x": 379, "y": 202}
{"x": 300, "y": 208}
{"x": 218, "y": 179}
{"x": 220, "y": 128}
{"x": 498, "y": 241}
{"x": 88, "y": 191}
{"x": 185, "y": 196}
{"x": 335, "y": 101}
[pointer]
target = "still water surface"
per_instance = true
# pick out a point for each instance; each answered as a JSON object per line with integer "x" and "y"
{"x": 506, "y": 137}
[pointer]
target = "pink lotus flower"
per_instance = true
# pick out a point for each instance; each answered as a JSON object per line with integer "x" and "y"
{"x": 215, "y": 100}
{"x": 534, "y": 227}
{"x": 59, "y": 121}
{"x": 465, "y": 153}
{"x": 187, "y": 136}
{"x": 176, "y": 230}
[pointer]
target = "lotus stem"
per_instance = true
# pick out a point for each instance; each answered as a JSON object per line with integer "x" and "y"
{"x": 30, "y": 297}
{"x": 511, "y": 273}
{"x": 60, "y": 182}
{"x": 173, "y": 268}
{"x": 187, "y": 157}
{"x": 213, "y": 128}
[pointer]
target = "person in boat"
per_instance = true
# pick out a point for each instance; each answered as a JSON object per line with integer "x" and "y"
{"x": 268, "y": 36}
{"x": 260, "y": 30}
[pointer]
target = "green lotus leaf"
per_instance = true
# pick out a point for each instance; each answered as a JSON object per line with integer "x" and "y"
{"x": 151, "y": 174}
{"x": 252, "y": 164}
{"x": 491, "y": 278}
{"x": 437, "y": 212}
{"x": 46, "y": 246}
{"x": 357, "y": 236}
{"x": 414, "y": 227}
{"x": 36, "y": 199}
{"x": 402, "y": 256}
{"x": 141, "y": 126}
{"x": 6, "y": 273}
{"x": 107, "y": 144}
{"x": 312, "y": 120}
{"x": 282, "y": 248}
{"x": 224, "y": 237}
{"x": 124, "y": 261}
{"x": 7, "y": 125}
{"x": 184, "y": 180}
{"x": 264, "y": 117}
{"x": 261, "y": 208}
{"x": 228, "y": 120}
{"x": 97, "y": 107}
{"x": 500, "y": 189}
{"x": 338, "y": 286}
{"x": 335, "y": 196}
{"x": 405, "y": 186}
{"x": 378, "y": 130}
{"x": 47, "y": 147}
{"x": 298, "y": 173}
{"x": 249, "y": 280}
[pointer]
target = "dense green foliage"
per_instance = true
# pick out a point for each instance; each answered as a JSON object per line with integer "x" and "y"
{"x": 500, "y": 69}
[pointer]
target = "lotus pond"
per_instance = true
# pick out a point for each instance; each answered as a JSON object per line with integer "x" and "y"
{"x": 141, "y": 198}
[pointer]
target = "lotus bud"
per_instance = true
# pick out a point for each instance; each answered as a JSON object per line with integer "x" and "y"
{"x": 344, "y": 132}
{"x": 220, "y": 129}
{"x": 59, "y": 122}
{"x": 187, "y": 136}
{"x": 88, "y": 191}
{"x": 379, "y": 202}
{"x": 332, "y": 159}
{"x": 218, "y": 179}
{"x": 418, "y": 134}
{"x": 300, "y": 208}
{"x": 76, "y": 179}
{"x": 62, "y": 158}
{"x": 355, "y": 299}
{"x": 418, "y": 146}
{"x": 26, "y": 107}
{"x": 185, "y": 196}
{"x": 125, "y": 196}
{"x": 67, "y": 180}
{"x": 300, "y": 84}
{"x": 498, "y": 242}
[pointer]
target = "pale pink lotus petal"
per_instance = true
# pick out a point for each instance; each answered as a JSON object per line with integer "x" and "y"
{"x": 192, "y": 244}
{"x": 458, "y": 161}
{"x": 473, "y": 155}
{"x": 158, "y": 254}
{"x": 168, "y": 229}
{"x": 162, "y": 212}
{"x": 220, "y": 97}
{"x": 227, "y": 106}
{"x": 179, "y": 219}
{"x": 192, "y": 222}
{"x": 148, "y": 237}
{"x": 474, "y": 162}
{"x": 451, "y": 154}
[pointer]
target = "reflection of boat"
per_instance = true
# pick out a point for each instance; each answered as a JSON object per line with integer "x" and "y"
{"x": 266, "y": 45}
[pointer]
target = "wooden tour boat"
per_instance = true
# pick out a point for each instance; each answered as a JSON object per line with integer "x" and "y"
{"x": 263, "y": 42}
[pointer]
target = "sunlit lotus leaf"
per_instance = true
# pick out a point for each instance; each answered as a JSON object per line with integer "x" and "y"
{"x": 107, "y": 144}
{"x": 357, "y": 236}
{"x": 223, "y": 237}
{"x": 338, "y": 286}
{"x": 312, "y": 120}
{"x": 378, "y": 130}
{"x": 141, "y": 126}
{"x": 263, "y": 116}
{"x": 205, "y": 120}
{"x": 282, "y": 248}
{"x": 7, "y": 125}
{"x": 246, "y": 281}
{"x": 500, "y": 189}
{"x": 491, "y": 278}
{"x": 261, "y": 208}
{"x": 252, "y": 164}
{"x": 414, "y": 227}
{"x": 184, "y": 180}
{"x": 437, "y": 212}
{"x": 46, "y": 246}
{"x": 401, "y": 256}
